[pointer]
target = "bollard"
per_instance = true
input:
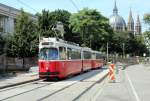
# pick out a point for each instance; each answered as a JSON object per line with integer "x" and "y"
{"x": 117, "y": 69}
{"x": 111, "y": 73}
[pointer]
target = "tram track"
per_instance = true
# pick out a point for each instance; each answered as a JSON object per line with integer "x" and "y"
{"x": 8, "y": 89}
{"x": 82, "y": 80}
{"x": 24, "y": 91}
{"x": 72, "y": 81}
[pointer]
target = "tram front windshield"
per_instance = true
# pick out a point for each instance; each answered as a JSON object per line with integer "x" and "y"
{"x": 48, "y": 54}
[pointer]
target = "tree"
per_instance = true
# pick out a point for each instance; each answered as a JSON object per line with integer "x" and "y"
{"x": 24, "y": 41}
{"x": 147, "y": 33}
{"x": 93, "y": 28}
{"x": 2, "y": 43}
{"x": 44, "y": 24}
{"x": 47, "y": 20}
{"x": 147, "y": 18}
{"x": 147, "y": 38}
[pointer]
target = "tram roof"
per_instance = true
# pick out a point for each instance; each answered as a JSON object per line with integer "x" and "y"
{"x": 86, "y": 49}
{"x": 64, "y": 43}
{"x": 97, "y": 52}
{"x": 60, "y": 42}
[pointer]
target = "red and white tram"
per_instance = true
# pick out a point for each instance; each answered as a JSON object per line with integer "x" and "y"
{"x": 58, "y": 58}
{"x": 97, "y": 59}
{"x": 86, "y": 59}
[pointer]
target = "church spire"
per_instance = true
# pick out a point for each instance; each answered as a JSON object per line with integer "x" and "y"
{"x": 130, "y": 26}
{"x": 138, "y": 21}
{"x": 138, "y": 26}
{"x": 115, "y": 10}
{"x": 130, "y": 16}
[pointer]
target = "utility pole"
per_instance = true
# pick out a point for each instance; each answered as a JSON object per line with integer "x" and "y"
{"x": 123, "y": 50}
{"x": 107, "y": 52}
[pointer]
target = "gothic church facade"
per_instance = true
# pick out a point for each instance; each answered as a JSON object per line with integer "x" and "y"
{"x": 119, "y": 25}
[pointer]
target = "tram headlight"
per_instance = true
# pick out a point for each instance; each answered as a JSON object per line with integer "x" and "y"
{"x": 46, "y": 67}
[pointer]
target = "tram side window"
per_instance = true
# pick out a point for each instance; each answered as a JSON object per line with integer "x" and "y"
{"x": 98, "y": 56}
{"x": 76, "y": 54}
{"x": 73, "y": 54}
{"x": 93, "y": 56}
{"x": 62, "y": 53}
{"x": 68, "y": 53}
{"x": 87, "y": 55}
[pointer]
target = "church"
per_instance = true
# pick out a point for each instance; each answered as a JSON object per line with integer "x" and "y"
{"x": 119, "y": 25}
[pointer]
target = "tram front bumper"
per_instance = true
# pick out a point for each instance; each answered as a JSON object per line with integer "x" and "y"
{"x": 48, "y": 74}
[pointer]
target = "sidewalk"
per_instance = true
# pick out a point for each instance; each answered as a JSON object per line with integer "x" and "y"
{"x": 10, "y": 81}
{"x": 118, "y": 91}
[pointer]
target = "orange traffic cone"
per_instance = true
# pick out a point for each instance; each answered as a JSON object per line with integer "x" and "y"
{"x": 111, "y": 73}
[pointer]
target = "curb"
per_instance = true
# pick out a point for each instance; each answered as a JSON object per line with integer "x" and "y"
{"x": 101, "y": 79}
{"x": 19, "y": 83}
{"x": 98, "y": 93}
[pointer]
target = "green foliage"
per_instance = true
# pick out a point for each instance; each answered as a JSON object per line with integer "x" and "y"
{"x": 147, "y": 38}
{"x": 2, "y": 43}
{"x": 136, "y": 46}
{"x": 47, "y": 20}
{"x": 44, "y": 24}
{"x": 1, "y": 29}
{"x": 147, "y": 33}
{"x": 147, "y": 18}
{"x": 133, "y": 45}
{"x": 92, "y": 27}
{"x": 87, "y": 28}
{"x": 116, "y": 44}
{"x": 24, "y": 42}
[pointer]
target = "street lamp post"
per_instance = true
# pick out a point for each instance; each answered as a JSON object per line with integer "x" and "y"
{"x": 107, "y": 52}
{"x": 123, "y": 50}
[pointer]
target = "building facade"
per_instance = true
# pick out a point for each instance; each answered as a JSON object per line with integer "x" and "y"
{"x": 130, "y": 26}
{"x": 138, "y": 26}
{"x": 8, "y": 17}
{"x": 119, "y": 25}
{"x": 116, "y": 21}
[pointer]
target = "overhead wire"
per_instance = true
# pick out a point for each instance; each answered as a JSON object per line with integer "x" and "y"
{"x": 74, "y": 4}
{"x": 27, "y": 5}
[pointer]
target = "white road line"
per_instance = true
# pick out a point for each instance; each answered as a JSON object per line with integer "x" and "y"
{"x": 102, "y": 88}
{"x": 132, "y": 87}
{"x": 99, "y": 92}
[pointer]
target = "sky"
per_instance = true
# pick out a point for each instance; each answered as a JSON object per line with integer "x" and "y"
{"x": 104, "y": 6}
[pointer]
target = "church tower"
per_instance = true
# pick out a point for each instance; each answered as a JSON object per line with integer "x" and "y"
{"x": 130, "y": 26}
{"x": 138, "y": 26}
{"x": 115, "y": 10}
{"x": 116, "y": 21}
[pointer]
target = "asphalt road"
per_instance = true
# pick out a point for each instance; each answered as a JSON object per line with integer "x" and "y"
{"x": 132, "y": 84}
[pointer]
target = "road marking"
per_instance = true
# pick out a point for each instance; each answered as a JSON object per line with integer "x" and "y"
{"x": 132, "y": 87}
{"x": 104, "y": 83}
